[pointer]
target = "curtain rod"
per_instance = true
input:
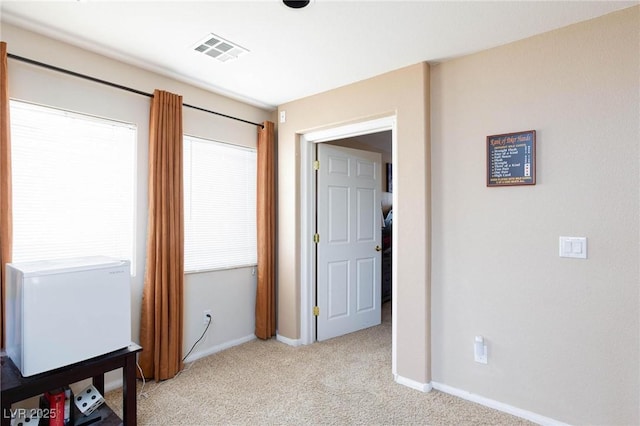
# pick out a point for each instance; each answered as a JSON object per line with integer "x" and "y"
{"x": 118, "y": 86}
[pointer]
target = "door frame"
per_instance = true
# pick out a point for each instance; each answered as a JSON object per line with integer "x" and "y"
{"x": 308, "y": 213}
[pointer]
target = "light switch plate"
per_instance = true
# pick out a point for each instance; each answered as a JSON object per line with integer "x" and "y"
{"x": 575, "y": 247}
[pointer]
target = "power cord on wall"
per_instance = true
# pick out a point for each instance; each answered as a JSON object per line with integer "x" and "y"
{"x": 197, "y": 341}
{"x": 144, "y": 382}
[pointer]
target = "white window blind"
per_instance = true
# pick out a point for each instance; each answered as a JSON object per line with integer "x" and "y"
{"x": 219, "y": 204}
{"x": 73, "y": 184}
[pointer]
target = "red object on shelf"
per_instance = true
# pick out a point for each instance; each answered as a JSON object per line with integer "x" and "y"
{"x": 56, "y": 407}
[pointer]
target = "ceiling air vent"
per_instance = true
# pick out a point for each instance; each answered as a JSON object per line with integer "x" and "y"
{"x": 219, "y": 48}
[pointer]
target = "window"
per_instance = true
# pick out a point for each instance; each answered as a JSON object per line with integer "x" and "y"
{"x": 219, "y": 205}
{"x": 73, "y": 184}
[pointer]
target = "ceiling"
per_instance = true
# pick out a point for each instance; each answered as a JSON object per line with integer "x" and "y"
{"x": 293, "y": 53}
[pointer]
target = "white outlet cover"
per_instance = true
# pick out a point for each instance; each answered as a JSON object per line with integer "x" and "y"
{"x": 480, "y": 350}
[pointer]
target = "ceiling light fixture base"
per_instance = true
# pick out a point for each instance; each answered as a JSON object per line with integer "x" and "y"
{"x": 296, "y": 4}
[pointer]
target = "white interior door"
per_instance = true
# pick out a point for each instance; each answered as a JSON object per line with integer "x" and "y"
{"x": 348, "y": 252}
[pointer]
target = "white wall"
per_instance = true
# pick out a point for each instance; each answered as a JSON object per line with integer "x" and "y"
{"x": 563, "y": 334}
{"x": 229, "y": 294}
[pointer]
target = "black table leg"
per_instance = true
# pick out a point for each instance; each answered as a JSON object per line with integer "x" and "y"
{"x": 129, "y": 408}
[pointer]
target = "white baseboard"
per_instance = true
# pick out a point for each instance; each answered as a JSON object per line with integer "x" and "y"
{"x": 226, "y": 345}
{"x": 117, "y": 383}
{"x": 422, "y": 387}
{"x": 496, "y": 405}
{"x": 287, "y": 341}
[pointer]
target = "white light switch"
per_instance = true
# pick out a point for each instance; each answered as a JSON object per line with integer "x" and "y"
{"x": 573, "y": 247}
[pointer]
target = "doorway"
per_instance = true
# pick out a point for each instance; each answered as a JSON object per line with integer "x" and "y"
{"x": 308, "y": 214}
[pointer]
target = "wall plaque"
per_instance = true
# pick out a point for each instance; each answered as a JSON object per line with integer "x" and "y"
{"x": 511, "y": 159}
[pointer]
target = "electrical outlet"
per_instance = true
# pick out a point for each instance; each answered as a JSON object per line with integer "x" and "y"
{"x": 207, "y": 317}
{"x": 480, "y": 350}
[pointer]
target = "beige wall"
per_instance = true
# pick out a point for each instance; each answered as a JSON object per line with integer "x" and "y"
{"x": 229, "y": 294}
{"x": 403, "y": 93}
{"x": 562, "y": 333}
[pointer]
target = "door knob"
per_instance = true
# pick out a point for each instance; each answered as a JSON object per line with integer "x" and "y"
{"x": 378, "y": 248}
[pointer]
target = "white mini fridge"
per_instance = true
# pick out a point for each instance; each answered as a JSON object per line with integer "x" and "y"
{"x": 60, "y": 312}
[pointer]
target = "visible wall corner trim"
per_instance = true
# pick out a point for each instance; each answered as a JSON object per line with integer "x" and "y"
{"x": 497, "y": 405}
{"x": 287, "y": 341}
{"x": 422, "y": 387}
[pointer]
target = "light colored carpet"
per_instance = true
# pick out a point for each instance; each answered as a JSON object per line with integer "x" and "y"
{"x": 346, "y": 380}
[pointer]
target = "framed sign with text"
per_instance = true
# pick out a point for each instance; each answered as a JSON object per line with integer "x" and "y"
{"x": 511, "y": 159}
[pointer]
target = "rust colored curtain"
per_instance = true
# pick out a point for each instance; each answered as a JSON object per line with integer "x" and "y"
{"x": 163, "y": 294}
{"x": 6, "y": 219}
{"x": 266, "y": 224}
